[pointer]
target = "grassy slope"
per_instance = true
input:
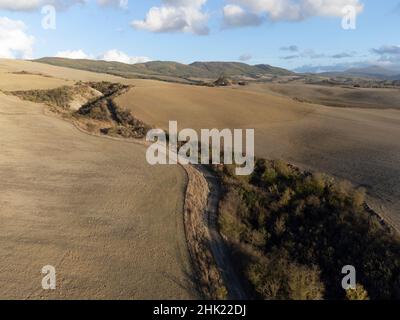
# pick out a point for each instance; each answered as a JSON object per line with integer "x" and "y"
{"x": 171, "y": 69}
{"x": 215, "y": 69}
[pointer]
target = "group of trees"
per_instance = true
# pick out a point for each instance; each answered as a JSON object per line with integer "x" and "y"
{"x": 292, "y": 232}
{"x": 58, "y": 97}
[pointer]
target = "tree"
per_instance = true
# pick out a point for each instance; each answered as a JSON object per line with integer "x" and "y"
{"x": 304, "y": 283}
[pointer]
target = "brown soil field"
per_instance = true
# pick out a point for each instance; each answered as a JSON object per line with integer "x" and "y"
{"x": 358, "y": 144}
{"x": 92, "y": 207}
{"x": 42, "y": 76}
{"x": 335, "y": 96}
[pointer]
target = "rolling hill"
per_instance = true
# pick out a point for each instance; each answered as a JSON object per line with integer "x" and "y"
{"x": 215, "y": 69}
{"x": 156, "y": 69}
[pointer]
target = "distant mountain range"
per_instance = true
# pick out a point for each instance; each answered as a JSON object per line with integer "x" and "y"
{"x": 209, "y": 70}
{"x": 374, "y": 72}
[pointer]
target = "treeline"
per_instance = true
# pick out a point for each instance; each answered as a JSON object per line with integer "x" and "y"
{"x": 58, "y": 97}
{"x": 292, "y": 232}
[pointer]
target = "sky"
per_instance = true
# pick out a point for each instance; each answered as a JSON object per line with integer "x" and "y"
{"x": 302, "y": 35}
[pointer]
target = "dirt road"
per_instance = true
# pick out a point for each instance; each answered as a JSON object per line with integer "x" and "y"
{"x": 219, "y": 248}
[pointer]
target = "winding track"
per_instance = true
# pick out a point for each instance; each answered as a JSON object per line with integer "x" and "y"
{"x": 219, "y": 249}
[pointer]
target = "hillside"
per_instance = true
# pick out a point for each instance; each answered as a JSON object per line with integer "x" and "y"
{"x": 214, "y": 69}
{"x": 325, "y": 139}
{"x": 156, "y": 69}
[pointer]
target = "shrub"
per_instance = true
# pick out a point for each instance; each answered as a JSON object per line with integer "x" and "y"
{"x": 359, "y": 293}
{"x": 317, "y": 225}
{"x": 276, "y": 278}
{"x": 59, "y": 97}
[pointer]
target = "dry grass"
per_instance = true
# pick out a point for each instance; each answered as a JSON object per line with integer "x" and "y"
{"x": 208, "y": 276}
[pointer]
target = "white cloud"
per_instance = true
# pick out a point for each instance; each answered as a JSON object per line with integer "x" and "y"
{"x": 236, "y": 16}
{"x": 28, "y": 5}
{"x": 110, "y": 55}
{"x": 20, "y": 5}
{"x": 73, "y": 54}
{"x": 176, "y": 16}
{"x": 123, "y": 4}
{"x": 294, "y": 10}
{"x": 119, "y": 56}
{"x": 14, "y": 41}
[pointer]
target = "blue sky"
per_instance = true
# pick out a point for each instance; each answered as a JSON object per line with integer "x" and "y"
{"x": 253, "y": 31}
